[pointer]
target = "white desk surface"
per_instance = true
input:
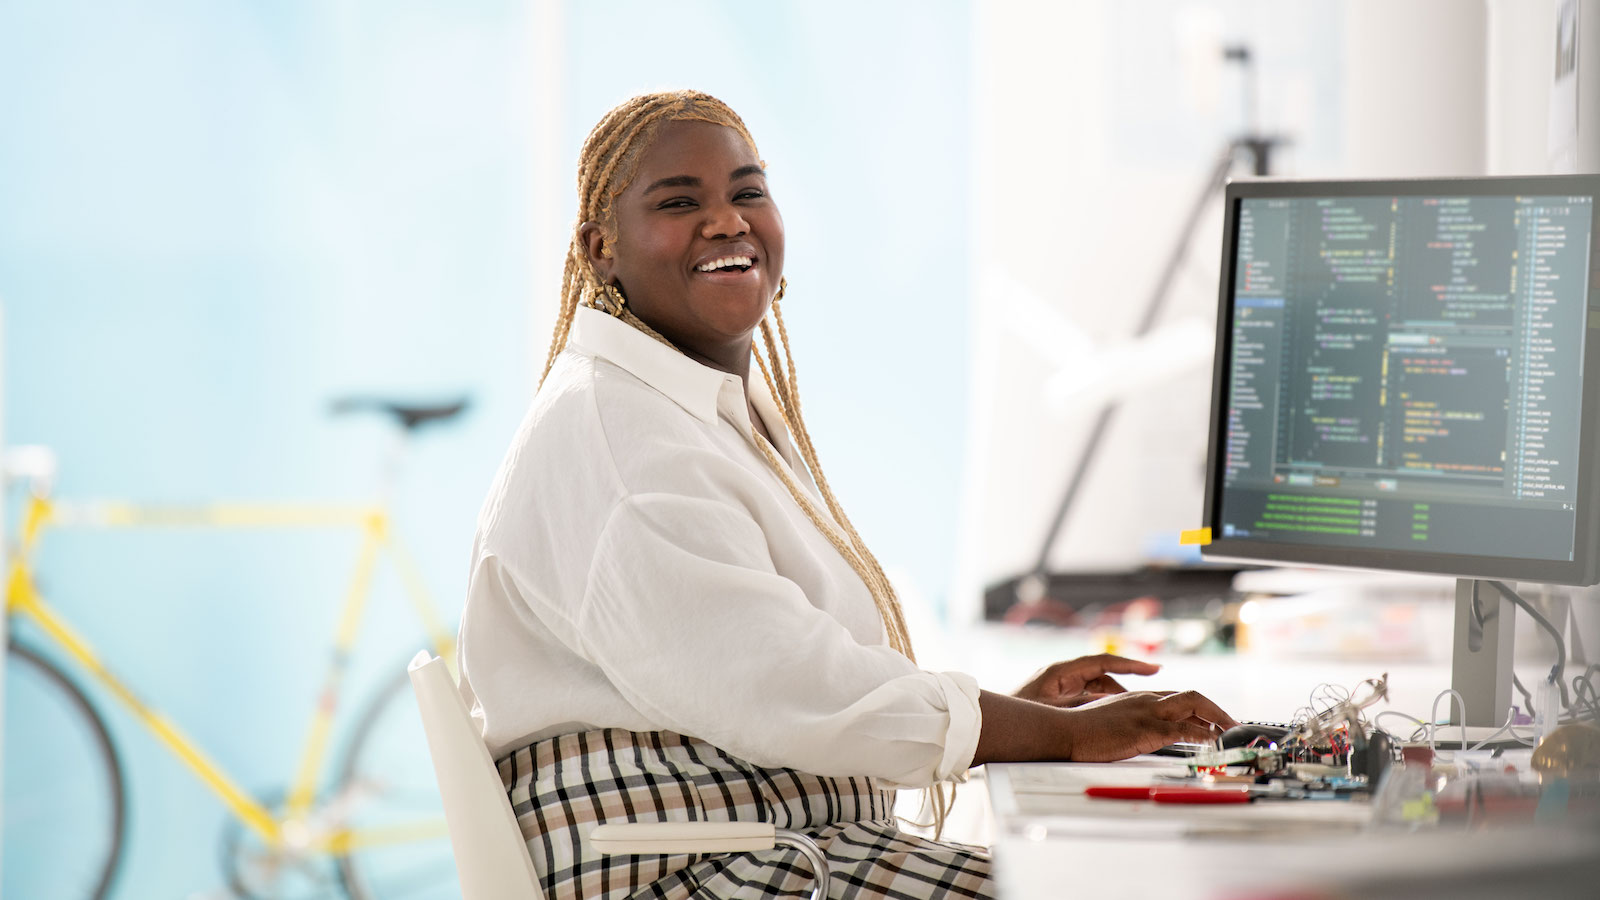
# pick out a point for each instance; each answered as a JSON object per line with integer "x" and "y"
{"x": 1051, "y": 842}
{"x": 1039, "y": 800}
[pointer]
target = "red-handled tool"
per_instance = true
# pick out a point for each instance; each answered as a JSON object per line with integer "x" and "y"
{"x": 1170, "y": 794}
{"x": 1108, "y": 792}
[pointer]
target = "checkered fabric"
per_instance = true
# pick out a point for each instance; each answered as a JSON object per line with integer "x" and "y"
{"x": 562, "y": 787}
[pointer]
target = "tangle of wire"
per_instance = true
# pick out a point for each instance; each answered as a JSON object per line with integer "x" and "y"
{"x": 1585, "y": 706}
{"x": 1584, "y": 700}
{"x": 1329, "y": 701}
{"x": 1331, "y": 705}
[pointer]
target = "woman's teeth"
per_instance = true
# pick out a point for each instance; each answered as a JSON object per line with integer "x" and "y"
{"x": 726, "y": 262}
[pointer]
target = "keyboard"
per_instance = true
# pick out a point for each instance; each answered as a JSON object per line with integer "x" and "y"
{"x": 1187, "y": 748}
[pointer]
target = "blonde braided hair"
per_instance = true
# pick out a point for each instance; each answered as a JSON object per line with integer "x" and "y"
{"x": 607, "y": 164}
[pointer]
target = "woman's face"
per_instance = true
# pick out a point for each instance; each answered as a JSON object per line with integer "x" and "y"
{"x": 699, "y": 248}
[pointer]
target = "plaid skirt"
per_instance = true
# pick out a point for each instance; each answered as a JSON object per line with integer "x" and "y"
{"x": 562, "y": 787}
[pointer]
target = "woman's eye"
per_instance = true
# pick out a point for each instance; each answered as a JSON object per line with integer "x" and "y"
{"x": 749, "y": 194}
{"x": 676, "y": 203}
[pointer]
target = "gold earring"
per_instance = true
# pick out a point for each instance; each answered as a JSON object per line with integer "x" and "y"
{"x": 609, "y": 300}
{"x": 783, "y": 285}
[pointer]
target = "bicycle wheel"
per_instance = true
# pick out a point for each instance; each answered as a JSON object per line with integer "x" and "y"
{"x": 258, "y": 871}
{"x": 387, "y": 779}
{"x": 64, "y": 798}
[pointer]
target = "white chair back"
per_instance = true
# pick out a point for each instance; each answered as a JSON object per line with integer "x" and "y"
{"x": 491, "y": 859}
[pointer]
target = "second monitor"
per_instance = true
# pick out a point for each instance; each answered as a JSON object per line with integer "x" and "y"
{"x": 1407, "y": 377}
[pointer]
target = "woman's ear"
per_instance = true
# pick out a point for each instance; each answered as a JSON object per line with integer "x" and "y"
{"x": 595, "y": 247}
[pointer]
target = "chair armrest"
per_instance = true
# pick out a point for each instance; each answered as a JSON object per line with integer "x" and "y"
{"x": 683, "y": 837}
{"x": 710, "y": 837}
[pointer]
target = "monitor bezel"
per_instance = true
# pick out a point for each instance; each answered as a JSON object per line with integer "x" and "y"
{"x": 1582, "y": 569}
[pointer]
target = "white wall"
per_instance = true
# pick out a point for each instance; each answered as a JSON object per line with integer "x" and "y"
{"x": 1521, "y": 56}
{"x": 1094, "y": 128}
{"x": 1414, "y": 87}
{"x": 1588, "y": 148}
{"x": 1521, "y": 65}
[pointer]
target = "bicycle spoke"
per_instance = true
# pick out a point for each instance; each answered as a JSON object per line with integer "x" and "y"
{"x": 388, "y": 768}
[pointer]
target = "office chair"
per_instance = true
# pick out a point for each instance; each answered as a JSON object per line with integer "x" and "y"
{"x": 492, "y": 861}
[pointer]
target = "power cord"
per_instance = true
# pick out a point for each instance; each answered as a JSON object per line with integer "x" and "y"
{"x": 1433, "y": 715}
{"x": 1587, "y": 698}
{"x": 1560, "y": 667}
{"x": 1430, "y": 729}
{"x": 1527, "y": 698}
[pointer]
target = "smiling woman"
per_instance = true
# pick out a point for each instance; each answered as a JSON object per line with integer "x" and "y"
{"x": 705, "y": 243}
{"x": 671, "y": 618}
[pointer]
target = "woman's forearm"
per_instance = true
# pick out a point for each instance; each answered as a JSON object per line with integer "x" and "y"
{"x": 1017, "y": 730}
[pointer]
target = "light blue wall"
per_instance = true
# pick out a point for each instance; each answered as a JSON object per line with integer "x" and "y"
{"x": 216, "y": 216}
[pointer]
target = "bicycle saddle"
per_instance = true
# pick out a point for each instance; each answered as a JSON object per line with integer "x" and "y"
{"x": 408, "y": 415}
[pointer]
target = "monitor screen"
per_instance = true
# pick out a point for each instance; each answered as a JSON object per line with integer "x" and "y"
{"x": 1406, "y": 376}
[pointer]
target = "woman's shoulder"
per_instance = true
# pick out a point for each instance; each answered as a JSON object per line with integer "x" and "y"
{"x": 595, "y": 438}
{"x": 595, "y": 422}
{"x": 592, "y": 390}
{"x": 596, "y": 413}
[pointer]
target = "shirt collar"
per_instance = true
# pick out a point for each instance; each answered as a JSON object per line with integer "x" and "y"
{"x": 687, "y": 383}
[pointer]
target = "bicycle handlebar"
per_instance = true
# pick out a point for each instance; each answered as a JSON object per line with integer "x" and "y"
{"x": 409, "y": 416}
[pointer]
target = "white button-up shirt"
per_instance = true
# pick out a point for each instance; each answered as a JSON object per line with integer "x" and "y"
{"x": 639, "y": 565}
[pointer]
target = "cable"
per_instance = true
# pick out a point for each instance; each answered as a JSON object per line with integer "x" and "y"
{"x": 1503, "y": 729}
{"x": 1431, "y": 729}
{"x": 1433, "y": 714}
{"x": 1412, "y": 719}
{"x": 1526, "y": 697}
{"x": 1587, "y": 696}
{"x": 1559, "y": 668}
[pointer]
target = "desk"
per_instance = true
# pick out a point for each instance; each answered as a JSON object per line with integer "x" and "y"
{"x": 1051, "y": 842}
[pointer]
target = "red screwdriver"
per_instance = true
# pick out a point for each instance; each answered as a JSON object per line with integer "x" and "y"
{"x": 1170, "y": 794}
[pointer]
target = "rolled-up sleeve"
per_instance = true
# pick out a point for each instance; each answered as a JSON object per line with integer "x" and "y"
{"x": 685, "y": 614}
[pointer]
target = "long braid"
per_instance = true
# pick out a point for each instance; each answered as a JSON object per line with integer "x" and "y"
{"x": 865, "y": 563}
{"x": 785, "y": 388}
{"x": 606, "y": 165}
{"x": 569, "y": 304}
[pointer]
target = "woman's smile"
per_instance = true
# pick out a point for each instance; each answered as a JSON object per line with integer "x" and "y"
{"x": 734, "y": 264}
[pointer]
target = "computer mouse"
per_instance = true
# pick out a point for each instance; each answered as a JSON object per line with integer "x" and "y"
{"x": 1241, "y": 735}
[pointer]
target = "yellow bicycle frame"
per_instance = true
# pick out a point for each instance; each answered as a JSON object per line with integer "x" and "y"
{"x": 22, "y": 598}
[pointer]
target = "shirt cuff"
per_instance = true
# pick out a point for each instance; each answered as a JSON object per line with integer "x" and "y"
{"x": 966, "y": 720}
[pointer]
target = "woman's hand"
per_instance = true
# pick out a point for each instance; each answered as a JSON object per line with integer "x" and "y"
{"x": 1082, "y": 680}
{"x": 1128, "y": 724}
{"x": 1116, "y": 726}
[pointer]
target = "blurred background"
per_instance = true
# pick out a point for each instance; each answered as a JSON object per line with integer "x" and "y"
{"x": 218, "y": 218}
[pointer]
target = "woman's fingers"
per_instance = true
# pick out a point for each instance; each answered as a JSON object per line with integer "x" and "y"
{"x": 1190, "y": 730}
{"x": 1192, "y": 704}
{"x": 1084, "y": 699}
{"x": 1108, "y": 664}
{"x": 1194, "y": 732}
{"x": 1105, "y": 684}
{"x": 1121, "y": 725}
{"x": 1059, "y": 681}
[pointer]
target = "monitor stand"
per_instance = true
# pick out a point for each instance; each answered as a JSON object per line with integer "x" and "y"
{"x": 1480, "y": 667}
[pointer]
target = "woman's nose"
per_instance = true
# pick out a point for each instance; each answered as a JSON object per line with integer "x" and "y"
{"x": 723, "y": 220}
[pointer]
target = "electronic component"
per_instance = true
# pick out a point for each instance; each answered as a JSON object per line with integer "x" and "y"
{"x": 1331, "y": 749}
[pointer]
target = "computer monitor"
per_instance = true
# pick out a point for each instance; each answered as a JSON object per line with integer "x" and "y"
{"x": 1407, "y": 377}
